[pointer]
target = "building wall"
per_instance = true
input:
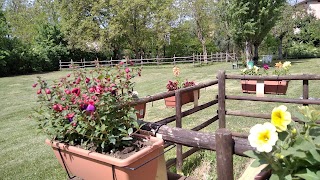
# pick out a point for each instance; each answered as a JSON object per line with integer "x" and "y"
{"x": 314, "y": 7}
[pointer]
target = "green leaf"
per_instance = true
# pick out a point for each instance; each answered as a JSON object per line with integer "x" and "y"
{"x": 301, "y": 117}
{"x": 130, "y": 131}
{"x": 315, "y": 154}
{"x": 308, "y": 175}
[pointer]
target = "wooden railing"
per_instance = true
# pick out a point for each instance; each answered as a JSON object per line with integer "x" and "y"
{"x": 195, "y": 59}
{"x": 223, "y": 141}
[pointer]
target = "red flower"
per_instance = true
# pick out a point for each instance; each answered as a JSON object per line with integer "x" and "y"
{"x": 35, "y": 85}
{"x": 39, "y": 91}
{"x": 78, "y": 80}
{"x": 265, "y": 66}
{"x": 70, "y": 116}
{"x": 127, "y": 70}
{"x": 57, "y": 107}
{"x": 48, "y": 91}
{"x": 87, "y": 80}
{"x": 68, "y": 75}
{"x": 76, "y": 91}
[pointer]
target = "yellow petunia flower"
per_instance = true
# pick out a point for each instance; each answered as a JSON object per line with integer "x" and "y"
{"x": 176, "y": 71}
{"x": 286, "y": 65}
{"x": 263, "y": 137}
{"x": 280, "y": 118}
{"x": 279, "y": 64}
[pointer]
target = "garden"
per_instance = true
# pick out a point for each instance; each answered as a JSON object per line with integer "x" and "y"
{"x": 24, "y": 154}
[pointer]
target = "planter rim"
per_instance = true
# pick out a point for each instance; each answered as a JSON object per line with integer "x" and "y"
{"x": 105, "y": 158}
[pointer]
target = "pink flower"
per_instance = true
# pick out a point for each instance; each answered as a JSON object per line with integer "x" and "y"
{"x": 92, "y": 89}
{"x": 91, "y": 106}
{"x": 76, "y": 91}
{"x": 87, "y": 80}
{"x": 78, "y": 80}
{"x": 57, "y": 107}
{"x": 39, "y": 91}
{"x": 68, "y": 75}
{"x": 67, "y": 91}
{"x": 121, "y": 63}
{"x": 48, "y": 91}
{"x": 127, "y": 70}
{"x": 35, "y": 85}
{"x": 265, "y": 66}
{"x": 70, "y": 116}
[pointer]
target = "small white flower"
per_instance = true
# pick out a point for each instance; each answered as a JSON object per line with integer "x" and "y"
{"x": 263, "y": 137}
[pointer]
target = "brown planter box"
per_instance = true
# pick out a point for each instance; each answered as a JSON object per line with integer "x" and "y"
{"x": 186, "y": 98}
{"x": 141, "y": 108}
{"x": 270, "y": 86}
{"x": 92, "y": 165}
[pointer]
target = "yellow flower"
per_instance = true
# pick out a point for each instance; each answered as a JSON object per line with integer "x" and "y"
{"x": 286, "y": 65}
{"x": 176, "y": 71}
{"x": 279, "y": 65}
{"x": 256, "y": 69}
{"x": 280, "y": 118}
{"x": 263, "y": 137}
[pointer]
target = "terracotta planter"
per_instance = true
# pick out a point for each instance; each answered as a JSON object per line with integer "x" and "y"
{"x": 141, "y": 108}
{"x": 270, "y": 87}
{"x": 95, "y": 166}
{"x": 186, "y": 98}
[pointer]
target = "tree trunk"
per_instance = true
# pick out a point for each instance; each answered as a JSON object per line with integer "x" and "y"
{"x": 280, "y": 48}
{"x": 205, "y": 54}
{"x": 248, "y": 52}
{"x": 256, "y": 54}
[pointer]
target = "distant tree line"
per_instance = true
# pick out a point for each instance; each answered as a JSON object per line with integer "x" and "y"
{"x": 35, "y": 35}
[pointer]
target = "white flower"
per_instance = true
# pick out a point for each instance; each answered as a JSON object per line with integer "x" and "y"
{"x": 256, "y": 69}
{"x": 286, "y": 65}
{"x": 263, "y": 137}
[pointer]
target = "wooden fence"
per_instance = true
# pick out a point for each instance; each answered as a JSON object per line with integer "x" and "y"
{"x": 223, "y": 141}
{"x": 195, "y": 59}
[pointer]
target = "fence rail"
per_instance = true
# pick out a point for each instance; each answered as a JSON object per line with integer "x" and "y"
{"x": 223, "y": 141}
{"x": 195, "y": 59}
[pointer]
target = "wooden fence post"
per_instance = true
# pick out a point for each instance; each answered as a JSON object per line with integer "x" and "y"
{"x": 178, "y": 96}
{"x": 211, "y": 57}
{"x": 305, "y": 90}
{"x": 224, "y": 154}
{"x": 193, "y": 59}
{"x": 217, "y": 57}
{"x": 60, "y": 65}
{"x": 111, "y": 61}
{"x": 222, "y": 99}
{"x": 174, "y": 59}
{"x": 227, "y": 58}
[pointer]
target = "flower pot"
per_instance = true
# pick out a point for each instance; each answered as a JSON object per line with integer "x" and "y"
{"x": 270, "y": 86}
{"x": 95, "y": 166}
{"x": 141, "y": 108}
{"x": 186, "y": 97}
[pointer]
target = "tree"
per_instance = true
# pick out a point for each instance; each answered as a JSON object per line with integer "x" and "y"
{"x": 252, "y": 20}
{"x": 202, "y": 15}
{"x": 289, "y": 20}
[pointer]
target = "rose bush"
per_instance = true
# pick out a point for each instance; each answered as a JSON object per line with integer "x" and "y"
{"x": 290, "y": 150}
{"x": 89, "y": 107}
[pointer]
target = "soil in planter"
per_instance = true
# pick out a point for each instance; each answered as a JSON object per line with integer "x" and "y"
{"x": 137, "y": 145}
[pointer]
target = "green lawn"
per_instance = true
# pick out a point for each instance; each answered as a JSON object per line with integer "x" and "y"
{"x": 23, "y": 154}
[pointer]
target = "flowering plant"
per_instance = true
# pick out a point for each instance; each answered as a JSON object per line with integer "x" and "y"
{"x": 290, "y": 150}
{"x": 90, "y": 108}
{"x": 280, "y": 69}
{"x": 178, "y": 83}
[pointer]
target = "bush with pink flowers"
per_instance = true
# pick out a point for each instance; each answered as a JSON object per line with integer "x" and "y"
{"x": 90, "y": 107}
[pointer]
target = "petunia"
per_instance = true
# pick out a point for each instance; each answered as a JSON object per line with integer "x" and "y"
{"x": 265, "y": 66}
{"x": 35, "y": 85}
{"x": 176, "y": 71}
{"x": 263, "y": 137}
{"x": 279, "y": 64}
{"x": 280, "y": 118}
{"x": 70, "y": 116}
{"x": 76, "y": 91}
{"x": 286, "y": 65}
{"x": 57, "y": 107}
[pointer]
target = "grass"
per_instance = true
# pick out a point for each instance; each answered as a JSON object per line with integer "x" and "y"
{"x": 23, "y": 154}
